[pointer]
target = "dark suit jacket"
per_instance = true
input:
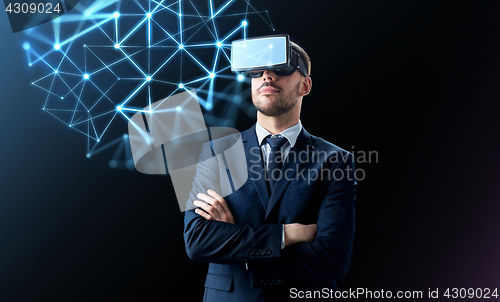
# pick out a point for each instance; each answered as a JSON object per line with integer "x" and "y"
{"x": 317, "y": 186}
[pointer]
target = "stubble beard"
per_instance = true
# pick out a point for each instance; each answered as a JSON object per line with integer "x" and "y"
{"x": 281, "y": 105}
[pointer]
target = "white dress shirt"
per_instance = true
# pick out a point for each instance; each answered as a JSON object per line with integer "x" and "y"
{"x": 290, "y": 134}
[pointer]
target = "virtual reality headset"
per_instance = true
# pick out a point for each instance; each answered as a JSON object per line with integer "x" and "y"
{"x": 251, "y": 55}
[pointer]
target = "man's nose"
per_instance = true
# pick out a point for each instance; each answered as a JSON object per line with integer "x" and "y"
{"x": 268, "y": 75}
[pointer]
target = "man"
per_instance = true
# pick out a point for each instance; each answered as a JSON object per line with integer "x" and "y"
{"x": 287, "y": 233}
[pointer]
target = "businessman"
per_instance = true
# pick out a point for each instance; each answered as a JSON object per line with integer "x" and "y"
{"x": 287, "y": 233}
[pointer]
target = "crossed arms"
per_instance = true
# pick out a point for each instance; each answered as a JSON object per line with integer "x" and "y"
{"x": 315, "y": 252}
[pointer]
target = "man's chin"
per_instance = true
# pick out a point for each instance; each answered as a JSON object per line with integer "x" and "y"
{"x": 271, "y": 112}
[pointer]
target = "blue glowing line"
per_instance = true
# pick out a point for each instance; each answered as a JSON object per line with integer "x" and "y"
{"x": 197, "y": 61}
{"x": 133, "y": 62}
{"x": 180, "y": 19}
{"x": 70, "y": 89}
{"x": 67, "y": 18}
{"x": 197, "y": 80}
{"x": 116, "y": 30}
{"x": 65, "y": 56}
{"x": 133, "y": 93}
{"x": 165, "y": 82}
{"x": 105, "y": 66}
{"x": 215, "y": 61}
{"x": 86, "y": 31}
{"x": 222, "y": 8}
{"x": 166, "y": 7}
{"x": 157, "y": 6}
{"x": 107, "y": 126}
{"x": 98, "y": 5}
{"x": 164, "y": 63}
{"x": 42, "y": 78}
{"x": 227, "y": 57}
{"x": 76, "y": 104}
{"x": 166, "y": 33}
{"x": 149, "y": 33}
{"x": 116, "y": 141}
{"x": 104, "y": 95}
{"x": 135, "y": 110}
{"x": 213, "y": 20}
{"x": 132, "y": 31}
{"x": 57, "y": 30}
{"x": 149, "y": 96}
{"x": 49, "y": 92}
{"x": 232, "y": 33}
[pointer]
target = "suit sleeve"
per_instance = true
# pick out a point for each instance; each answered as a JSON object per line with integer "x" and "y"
{"x": 328, "y": 257}
{"x": 220, "y": 242}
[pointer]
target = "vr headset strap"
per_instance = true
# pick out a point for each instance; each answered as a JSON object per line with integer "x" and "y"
{"x": 297, "y": 62}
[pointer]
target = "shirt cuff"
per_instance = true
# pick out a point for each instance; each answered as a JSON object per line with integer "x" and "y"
{"x": 283, "y": 237}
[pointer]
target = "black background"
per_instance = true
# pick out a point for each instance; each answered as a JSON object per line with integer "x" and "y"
{"x": 416, "y": 81}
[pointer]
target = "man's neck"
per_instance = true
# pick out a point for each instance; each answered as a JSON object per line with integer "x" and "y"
{"x": 276, "y": 124}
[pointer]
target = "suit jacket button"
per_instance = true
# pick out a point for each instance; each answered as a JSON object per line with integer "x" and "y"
{"x": 263, "y": 282}
{"x": 262, "y": 252}
{"x": 268, "y": 252}
{"x": 249, "y": 251}
{"x": 254, "y": 252}
{"x": 279, "y": 282}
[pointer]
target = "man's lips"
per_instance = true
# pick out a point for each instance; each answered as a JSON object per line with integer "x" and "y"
{"x": 268, "y": 90}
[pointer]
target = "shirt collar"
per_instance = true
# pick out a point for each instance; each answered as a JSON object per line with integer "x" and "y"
{"x": 290, "y": 134}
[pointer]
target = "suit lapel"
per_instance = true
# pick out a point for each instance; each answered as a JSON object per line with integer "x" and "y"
{"x": 296, "y": 157}
{"x": 255, "y": 164}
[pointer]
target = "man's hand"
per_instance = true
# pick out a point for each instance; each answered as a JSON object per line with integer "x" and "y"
{"x": 297, "y": 233}
{"x": 214, "y": 207}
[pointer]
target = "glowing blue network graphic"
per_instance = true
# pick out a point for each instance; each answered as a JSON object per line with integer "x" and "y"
{"x": 105, "y": 61}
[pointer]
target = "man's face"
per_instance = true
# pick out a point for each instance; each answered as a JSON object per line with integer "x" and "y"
{"x": 274, "y": 95}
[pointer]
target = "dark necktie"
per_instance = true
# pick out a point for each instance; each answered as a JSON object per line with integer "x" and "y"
{"x": 275, "y": 160}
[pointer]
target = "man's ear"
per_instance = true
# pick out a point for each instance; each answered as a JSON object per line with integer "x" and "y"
{"x": 306, "y": 86}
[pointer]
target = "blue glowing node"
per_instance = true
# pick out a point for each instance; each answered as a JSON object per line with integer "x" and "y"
{"x": 30, "y": 64}
{"x": 112, "y": 163}
{"x": 116, "y": 14}
{"x": 208, "y": 106}
{"x": 125, "y": 136}
{"x": 244, "y": 23}
{"x": 26, "y": 45}
{"x": 117, "y": 46}
{"x": 181, "y": 85}
{"x": 240, "y": 78}
{"x": 57, "y": 46}
{"x": 86, "y": 76}
{"x": 181, "y": 46}
{"x": 178, "y": 109}
{"x": 212, "y": 75}
{"x": 119, "y": 108}
{"x": 88, "y": 155}
{"x": 56, "y": 71}
{"x": 219, "y": 44}
{"x": 148, "y": 15}
{"x": 148, "y": 78}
